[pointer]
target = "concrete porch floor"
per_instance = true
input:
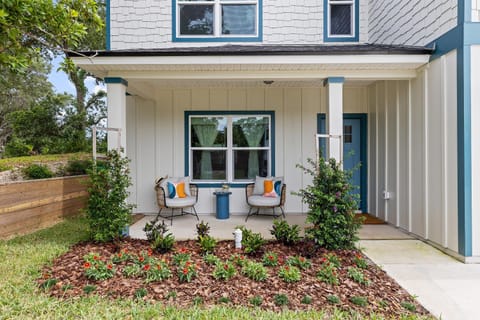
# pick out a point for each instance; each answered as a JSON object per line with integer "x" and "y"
{"x": 448, "y": 288}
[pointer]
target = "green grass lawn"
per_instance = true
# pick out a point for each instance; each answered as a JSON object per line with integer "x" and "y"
{"x": 10, "y": 163}
{"x": 22, "y": 258}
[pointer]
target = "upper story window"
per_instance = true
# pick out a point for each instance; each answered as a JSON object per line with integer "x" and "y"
{"x": 341, "y": 20}
{"x": 217, "y": 20}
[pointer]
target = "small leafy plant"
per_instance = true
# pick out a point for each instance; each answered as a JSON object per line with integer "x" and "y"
{"x": 238, "y": 259}
{"x": 181, "y": 256}
{"x": 359, "y": 301}
{"x": 171, "y": 295}
{"x": 408, "y": 306}
{"x": 328, "y": 273}
{"x": 203, "y": 229}
{"x": 224, "y": 270}
{"x": 132, "y": 270}
{"x": 157, "y": 233}
{"x": 255, "y": 271}
{"x": 207, "y": 243}
{"x": 360, "y": 261}
{"x": 97, "y": 269}
{"x": 298, "y": 261}
{"x": 187, "y": 271}
{"x": 286, "y": 234}
{"x": 157, "y": 271}
{"x": 270, "y": 259}
{"x": 252, "y": 242}
{"x": 89, "y": 288}
{"x": 256, "y": 301}
{"x": 49, "y": 283}
{"x": 333, "y": 259}
{"x": 280, "y": 299}
{"x": 197, "y": 300}
{"x": 333, "y": 299}
{"x": 224, "y": 300}
{"x": 306, "y": 299}
{"x": 357, "y": 275}
{"x": 210, "y": 258}
{"x": 140, "y": 293}
{"x": 289, "y": 273}
{"x": 121, "y": 256}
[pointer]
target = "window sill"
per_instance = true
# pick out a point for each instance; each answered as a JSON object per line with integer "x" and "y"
{"x": 217, "y": 39}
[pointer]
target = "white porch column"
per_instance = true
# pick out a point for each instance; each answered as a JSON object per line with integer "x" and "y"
{"x": 334, "y": 115}
{"x": 116, "y": 103}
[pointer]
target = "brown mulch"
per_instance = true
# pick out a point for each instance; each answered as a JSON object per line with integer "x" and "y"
{"x": 384, "y": 294}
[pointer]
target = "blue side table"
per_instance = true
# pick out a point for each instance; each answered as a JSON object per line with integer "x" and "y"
{"x": 223, "y": 204}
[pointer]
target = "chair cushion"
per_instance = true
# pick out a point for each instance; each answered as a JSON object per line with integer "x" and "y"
{"x": 176, "y": 180}
{"x": 272, "y": 187}
{"x": 261, "y": 201}
{"x": 176, "y": 190}
{"x": 180, "y": 202}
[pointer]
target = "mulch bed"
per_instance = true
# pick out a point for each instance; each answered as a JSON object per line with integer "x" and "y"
{"x": 384, "y": 295}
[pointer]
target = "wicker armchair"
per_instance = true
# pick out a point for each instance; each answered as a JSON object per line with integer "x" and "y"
{"x": 176, "y": 203}
{"x": 259, "y": 202}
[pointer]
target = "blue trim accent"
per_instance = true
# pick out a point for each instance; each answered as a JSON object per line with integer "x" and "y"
{"x": 446, "y": 43}
{"x": 107, "y": 24}
{"x": 334, "y": 80}
{"x": 116, "y": 80}
{"x": 326, "y": 20}
{"x": 363, "y": 117}
{"x": 227, "y": 113}
{"x": 471, "y": 33}
{"x": 258, "y": 38}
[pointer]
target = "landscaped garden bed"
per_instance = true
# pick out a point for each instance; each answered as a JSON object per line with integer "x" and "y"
{"x": 342, "y": 279}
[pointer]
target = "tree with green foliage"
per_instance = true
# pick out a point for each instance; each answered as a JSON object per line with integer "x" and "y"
{"x": 30, "y": 29}
{"x": 331, "y": 204}
{"x": 108, "y": 213}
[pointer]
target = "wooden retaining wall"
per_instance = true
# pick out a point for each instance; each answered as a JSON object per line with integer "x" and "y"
{"x": 31, "y": 205}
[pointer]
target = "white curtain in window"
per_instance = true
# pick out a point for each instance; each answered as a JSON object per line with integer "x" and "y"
{"x": 253, "y": 130}
{"x": 206, "y": 131}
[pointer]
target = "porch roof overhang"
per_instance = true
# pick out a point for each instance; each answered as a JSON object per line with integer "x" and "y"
{"x": 239, "y": 63}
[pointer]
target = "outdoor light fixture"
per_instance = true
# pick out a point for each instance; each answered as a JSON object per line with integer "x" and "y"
{"x": 268, "y": 82}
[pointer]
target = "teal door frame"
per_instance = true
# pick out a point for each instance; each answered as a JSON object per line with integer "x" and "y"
{"x": 363, "y": 153}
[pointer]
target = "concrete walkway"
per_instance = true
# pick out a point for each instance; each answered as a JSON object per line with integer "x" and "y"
{"x": 448, "y": 288}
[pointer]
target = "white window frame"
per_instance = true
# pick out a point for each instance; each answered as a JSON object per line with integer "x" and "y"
{"x": 230, "y": 149}
{"x": 352, "y": 4}
{"x": 217, "y": 18}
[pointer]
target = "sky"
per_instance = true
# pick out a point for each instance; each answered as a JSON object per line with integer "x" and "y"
{"x": 61, "y": 83}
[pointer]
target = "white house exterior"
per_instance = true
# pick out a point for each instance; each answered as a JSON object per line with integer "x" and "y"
{"x": 405, "y": 75}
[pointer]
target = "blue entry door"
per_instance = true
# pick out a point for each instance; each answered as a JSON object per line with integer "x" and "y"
{"x": 354, "y": 151}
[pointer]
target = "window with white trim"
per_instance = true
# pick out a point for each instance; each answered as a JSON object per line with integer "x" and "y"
{"x": 217, "y": 18}
{"x": 229, "y": 148}
{"x": 341, "y": 18}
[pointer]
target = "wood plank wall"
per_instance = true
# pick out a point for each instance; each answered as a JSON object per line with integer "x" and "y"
{"x": 31, "y": 205}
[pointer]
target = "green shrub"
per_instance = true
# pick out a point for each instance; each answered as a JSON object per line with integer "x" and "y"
{"x": 108, "y": 213}
{"x": 332, "y": 204}
{"x": 283, "y": 232}
{"x": 408, "y": 306}
{"x": 163, "y": 243}
{"x": 210, "y": 258}
{"x": 49, "y": 283}
{"x": 5, "y": 167}
{"x": 298, "y": 261}
{"x": 328, "y": 273}
{"x": 37, "y": 171}
{"x": 224, "y": 300}
{"x": 270, "y": 259}
{"x": 17, "y": 148}
{"x": 78, "y": 167}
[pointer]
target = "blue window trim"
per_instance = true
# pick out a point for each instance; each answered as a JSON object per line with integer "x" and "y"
{"x": 363, "y": 157}
{"x": 258, "y": 38}
{"x": 227, "y": 113}
{"x": 117, "y": 80}
{"x": 326, "y": 21}
{"x": 107, "y": 25}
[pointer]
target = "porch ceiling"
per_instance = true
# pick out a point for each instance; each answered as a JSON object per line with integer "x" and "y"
{"x": 146, "y": 72}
